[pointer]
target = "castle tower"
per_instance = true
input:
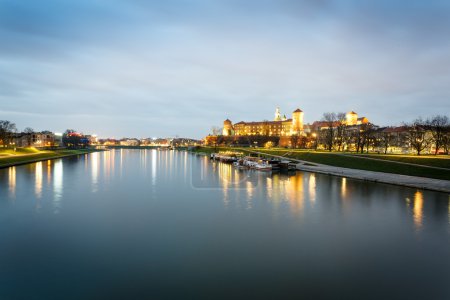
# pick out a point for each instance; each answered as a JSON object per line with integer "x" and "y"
{"x": 277, "y": 115}
{"x": 297, "y": 122}
{"x": 351, "y": 118}
{"x": 227, "y": 128}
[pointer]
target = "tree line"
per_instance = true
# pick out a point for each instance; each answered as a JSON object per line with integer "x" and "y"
{"x": 418, "y": 135}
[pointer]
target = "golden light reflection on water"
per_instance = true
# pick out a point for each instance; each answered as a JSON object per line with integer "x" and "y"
{"x": 108, "y": 164}
{"x": 249, "y": 189}
{"x": 294, "y": 192}
{"x": 418, "y": 210}
{"x": 49, "y": 172}
{"x": 38, "y": 180}
{"x": 344, "y": 188}
{"x": 12, "y": 181}
{"x": 312, "y": 187}
{"x": 269, "y": 187}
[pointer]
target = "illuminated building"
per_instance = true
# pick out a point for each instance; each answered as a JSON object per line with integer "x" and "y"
{"x": 280, "y": 126}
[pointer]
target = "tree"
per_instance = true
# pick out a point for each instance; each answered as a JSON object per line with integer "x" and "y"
{"x": 72, "y": 139}
{"x": 340, "y": 130}
{"x": 329, "y": 119}
{"x": 294, "y": 140}
{"x": 368, "y": 136}
{"x": 446, "y": 140}
{"x": 417, "y": 135}
{"x": 7, "y": 130}
{"x": 364, "y": 137}
{"x": 386, "y": 139}
{"x": 29, "y": 134}
{"x": 269, "y": 145}
{"x": 438, "y": 126}
{"x": 216, "y": 130}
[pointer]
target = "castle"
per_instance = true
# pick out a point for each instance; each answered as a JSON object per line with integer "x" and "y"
{"x": 280, "y": 126}
{"x": 284, "y": 127}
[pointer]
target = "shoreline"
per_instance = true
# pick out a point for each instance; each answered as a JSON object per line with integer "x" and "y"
{"x": 438, "y": 185}
{"x": 52, "y": 157}
{"x": 426, "y": 183}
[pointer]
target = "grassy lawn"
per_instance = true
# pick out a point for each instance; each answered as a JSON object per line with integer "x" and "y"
{"x": 351, "y": 161}
{"x": 24, "y": 155}
{"x": 428, "y": 160}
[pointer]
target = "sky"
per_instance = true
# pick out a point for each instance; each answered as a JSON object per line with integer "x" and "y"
{"x": 136, "y": 68}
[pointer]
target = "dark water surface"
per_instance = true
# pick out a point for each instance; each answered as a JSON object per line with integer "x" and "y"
{"x": 148, "y": 224}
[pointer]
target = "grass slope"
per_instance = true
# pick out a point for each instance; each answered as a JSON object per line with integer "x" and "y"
{"x": 432, "y": 161}
{"x": 26, "y": 155}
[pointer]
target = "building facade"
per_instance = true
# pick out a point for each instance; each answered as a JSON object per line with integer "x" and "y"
{"x": 280, "y": 126}
{"x": 36, "y": 139}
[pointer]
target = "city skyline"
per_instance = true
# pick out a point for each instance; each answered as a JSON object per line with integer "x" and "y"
{"x": 137, "y": 69}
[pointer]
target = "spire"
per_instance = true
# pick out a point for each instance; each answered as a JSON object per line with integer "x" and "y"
{"x": 277, "y": 114}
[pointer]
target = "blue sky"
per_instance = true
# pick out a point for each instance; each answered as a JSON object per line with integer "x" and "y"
{"x": 165, "y": 68}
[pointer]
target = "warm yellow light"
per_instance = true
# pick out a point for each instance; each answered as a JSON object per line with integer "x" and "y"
{"x": 418, "y": 209}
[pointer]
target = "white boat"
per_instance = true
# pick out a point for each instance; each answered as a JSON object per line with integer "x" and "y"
{"x": 240, "y": 164}
{"x": 263, "y": 167}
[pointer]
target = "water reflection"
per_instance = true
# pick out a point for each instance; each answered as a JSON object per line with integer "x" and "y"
{"x": 94, "y": 170}
{"x": 12, "y": 182}
{"x": 344, "y": 188}
{"x": 418, "y": 209}
{"x": 57, "y": 185}
{"x": 38, "y": 179}
{"x": 294, "y": 193}
{"x": 108, "y": 164}
{"x": 312, "y": 187}
{"x": 154, "y": 166}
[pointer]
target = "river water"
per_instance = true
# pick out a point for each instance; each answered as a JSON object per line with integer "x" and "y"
{"x": 149, "y": 224}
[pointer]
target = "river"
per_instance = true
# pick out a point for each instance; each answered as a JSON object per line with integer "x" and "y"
{"x": 150, "y": 224}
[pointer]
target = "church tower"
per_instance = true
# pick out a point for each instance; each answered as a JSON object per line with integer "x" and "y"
{"x": 277, "y": 115}
{"x": 297, "y": 122}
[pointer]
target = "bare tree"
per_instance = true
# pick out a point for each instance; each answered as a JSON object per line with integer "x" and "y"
{"x": 446, "y": 140}
{"x": 364, "y": 137}
{"x": 369, "y": 136}
{"x": 29, "y": 134}
{"x": 329, "y": 119}
{"x": 438, "y": 126}
{"x": 216, "y": 130}
{"x": 386, "y": 139}
{"x": 7, "y": 130}
{"x": 340, "y": 130}
{"x": 417, "y": 135}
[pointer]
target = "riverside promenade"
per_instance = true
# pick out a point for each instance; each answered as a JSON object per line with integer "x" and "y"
{"x": 389, "y": 178}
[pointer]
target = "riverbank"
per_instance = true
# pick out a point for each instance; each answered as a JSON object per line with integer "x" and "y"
{"x": 385, "y": 171}
{"x": 9, "y": 158}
